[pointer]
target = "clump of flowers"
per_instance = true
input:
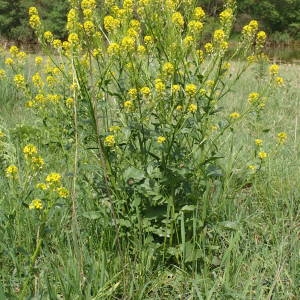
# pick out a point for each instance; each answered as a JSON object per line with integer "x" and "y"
{"x": 12, "y": 171}
{"x": 36, "y": 204}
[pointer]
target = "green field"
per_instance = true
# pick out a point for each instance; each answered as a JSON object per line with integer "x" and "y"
{"x": 140, "y": 161}
{"x": 251, "y": 252}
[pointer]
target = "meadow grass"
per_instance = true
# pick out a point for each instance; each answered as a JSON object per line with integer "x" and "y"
{"x": 252, "y": 252}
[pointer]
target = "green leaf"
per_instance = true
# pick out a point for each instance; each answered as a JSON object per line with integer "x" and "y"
{"x": 92, "y": 215}
{"x": 133, "y": 173}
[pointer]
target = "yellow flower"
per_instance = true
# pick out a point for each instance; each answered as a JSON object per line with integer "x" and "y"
{"x": 281, "y": 137}
{"x": 88, "y": 4}
{"x": 159, "y": 86}
{"x": 38, "y": 60}
{"x": 209, "y": 48}
{"x": 274, "y": 70}
{"x": 177, "y": 19}
{"x": 258, "y": 142}
{"x": 192, "y": 108}
{"x": 179, "y": 108}
{"x": 37, "y": 162}
{"x": 200, "y": 55}
{"x": 2, "y": 74}
{"x": 253, "y": 97}
{"x": 168, "y": 68}
{"x": 250, "y": 29}
{"x": 41, "y": 186}
{"x": 114, "y": 128}
{"x": 128, "y": 43}
{"x": 234, "y": 115}
{"x": 36, "y": 204}
{"x": 175, "y": 88}
{"x": 261, "y": 38}
{"x": 37, "y": 80}
{"x": 110, "y": 23}
{"x": 226, "y": 16}
{"x": 62, "y": 192}
{"x": 279, "y": 81}
{"x": 32, "y": 11}
{"x": 73, "y": 38}
{"x": 252, "y": 167}
{"x": 57, "y": 44}
{"x": 188, "y": 41}
{"x": 89, "y": 27}
{"x": 34, "y": 21}
{"x": 19, "y": 80}
{"x": 113, "y": 49}
{"x": 145, "y": 91}
{"x": 109, "y": 141}
{"x": 219, "y": 35}
{"x": 135, "y": 24}
{"x": 2, "y": 134}
{"x": 128, "y": 105}
{"x": 13, "y": 50}
{"x": 53, "y": 178}
{"x": 191, "y": 89}
{"x": 48, "y": 36}
{"x": 148, "y": 40}
{"x": 195, "y": 26}
{"x": 161, "y": 139}
{"x": 69, "y": 102}
{"x": 11, "y": 171}
{"x": 132, "y": 93}
{"x": 199, "y": 13}
{"x": 30, "y": 150}
{"x": 141, "y": 49}
{"x": 9, "y": 61}
{"x": 262, "y": 154}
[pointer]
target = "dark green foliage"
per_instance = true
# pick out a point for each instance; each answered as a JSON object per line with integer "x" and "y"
{"x": 14, "y": 18}
{"x": 276, "y": 15}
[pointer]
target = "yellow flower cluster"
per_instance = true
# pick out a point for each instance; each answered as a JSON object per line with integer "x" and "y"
{"x": 53, "y": 183}
{"x": 36, "y": 204}
{"x": 110, "y": 141}
{"x": 192, "y": 108}
{"x": 168, "y": 68}
{"x": 195, "y": 26}
{"x": 161, "y": 139}
{"x": 177, "y": 19}
{"x": 12, "y": 171}
{"x": 110, "y": 23}
{"x": 53, "y": 178}
{"x": 281, "y": 137}
{"x": 226, "y": 16}
{"x": 159, "y": 86}
{"x": 30, "y": 152}
{"x": 191, "y": 89}
{"x": 128, "y": 105}
{"x": 234, "y": 115}
{"x": 250, "y": 29}
{"x": 19, "y": 80}
{"x": 199, "y": 13}
{"x": 262, "y": 154}
{"x": 274, "y": 70}
{"x": 2, "y": 74}
{"x": 88, "y": 4}
{"x": 254, "y": 98}
{"x": 34, "y": 19}
{"x": 260, "y": 39}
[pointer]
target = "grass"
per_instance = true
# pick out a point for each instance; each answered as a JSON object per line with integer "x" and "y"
{"x": 251, "y": 252}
